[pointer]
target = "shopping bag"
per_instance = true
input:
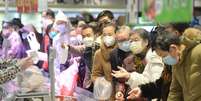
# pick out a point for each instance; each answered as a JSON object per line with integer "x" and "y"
{"x": 66, "y": 81}
{"x": 102, "y": 89}
{"x": 31, "y": 80}
{"x": 32, "y": 40}
{"x": 63, "y": 54}
{"x": 83, "y": 95}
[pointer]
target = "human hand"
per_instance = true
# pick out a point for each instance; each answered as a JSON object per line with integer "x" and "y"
{"x": 25, "y": 63}
{"x": 119, "y": 96}
{"x": 134, "y": 93}
{"x": 122, "y": 73}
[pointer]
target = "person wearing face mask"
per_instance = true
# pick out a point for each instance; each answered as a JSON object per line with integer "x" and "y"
{"x": 119, "y": 54}
{"x": 153, "y": 63}
{"x": 101, "y": 64}
{"x": 48, "y": 18}
{"x": 104, "y": 17}
{"x": 88, "y": 41}
{"x": 60, "y": 35}
{"x": 87, "y": 50}
{"x": 12, "y": 43}
{"x": 185, "y": 81}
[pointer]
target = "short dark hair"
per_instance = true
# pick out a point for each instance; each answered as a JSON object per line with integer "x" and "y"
{"x": 163, "y": 40}
{"x": 144, "y": 34}
{"x": 180, "y": 26}
{"x": 87, "y": 17}
{"x": 51, "y": 13}
{"x": 87, "y": 26}
{"x": 73, "y": 20}
{"x": 17, "y": 22}
{"x": 107, "y": 13}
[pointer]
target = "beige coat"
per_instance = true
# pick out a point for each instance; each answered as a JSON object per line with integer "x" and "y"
{"x": 101, "y": 65}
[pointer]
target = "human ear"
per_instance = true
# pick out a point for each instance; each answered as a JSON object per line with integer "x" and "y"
{"x": 146, "y": 42}
{"x": 177, "y": 33}
{"x": 173, "y": 50}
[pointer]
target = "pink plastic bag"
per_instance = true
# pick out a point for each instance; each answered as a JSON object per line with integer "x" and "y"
{"x": 66, "y": 82}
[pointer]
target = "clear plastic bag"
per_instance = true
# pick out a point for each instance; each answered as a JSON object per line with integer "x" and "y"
{"x": 102, "y": 89}
{"x": 83, "y": 95}
{"x": 31, "y": 80}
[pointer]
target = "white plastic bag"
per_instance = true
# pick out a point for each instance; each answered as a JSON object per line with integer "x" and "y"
{"x": 33, "y": 43}
{"x": 83, "y": 95}
{"x": 66, "y": 81}
{"x": 36, "y": 55}
{"x": 102, "y": 89}
{"x": 63, "y": 55}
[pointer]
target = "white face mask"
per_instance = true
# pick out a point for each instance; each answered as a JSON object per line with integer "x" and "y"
{"x": 88, "y": 41}
{"x": 125, "y": 46}
{"x": 109, "y": 40}
{"x": 136, "y": 47}
{"x": 76, "y": 40}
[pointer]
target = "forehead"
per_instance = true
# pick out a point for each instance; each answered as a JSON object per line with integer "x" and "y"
{"x": 135, "y": 36}
{"x": 60, "y": 22}
{"x": 6, "y": 25}
{"x": 109, "y": 28}
{"x": 122, "y": 34}
{"x": 169, "y": 29}
{"x": 103, "y": 18}
{"x": 43, "y": 13}
{"x": 87, "y": 31}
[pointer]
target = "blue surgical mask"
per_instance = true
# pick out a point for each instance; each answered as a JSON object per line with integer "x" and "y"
{"x": 52, "y": 34}
{"x": 169, "y": 60}
{"x": 61, "y": 28}
{"x": 125, "y": 46}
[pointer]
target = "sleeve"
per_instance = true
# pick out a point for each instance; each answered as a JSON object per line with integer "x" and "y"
{"x": 151, "y": 90}
{"x": 8, "y": 70}
{"x": 113, "y": 60}
{"x": 151, "y": 73}
{"x": 16, "y": 42}
{"x": 175, "y": 93}
{"x": 97, "y": 69}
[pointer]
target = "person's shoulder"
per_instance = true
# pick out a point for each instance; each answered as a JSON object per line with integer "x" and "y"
{"x": 98, "y": 52}
{"x": 196, "y": 50}
{"x": 152, "y": 56}
{"x": 151, "y": 53}
{"x": 56, "y": 38}
{"x": 197, "y": 47}
{"x": 114, "y": 51}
